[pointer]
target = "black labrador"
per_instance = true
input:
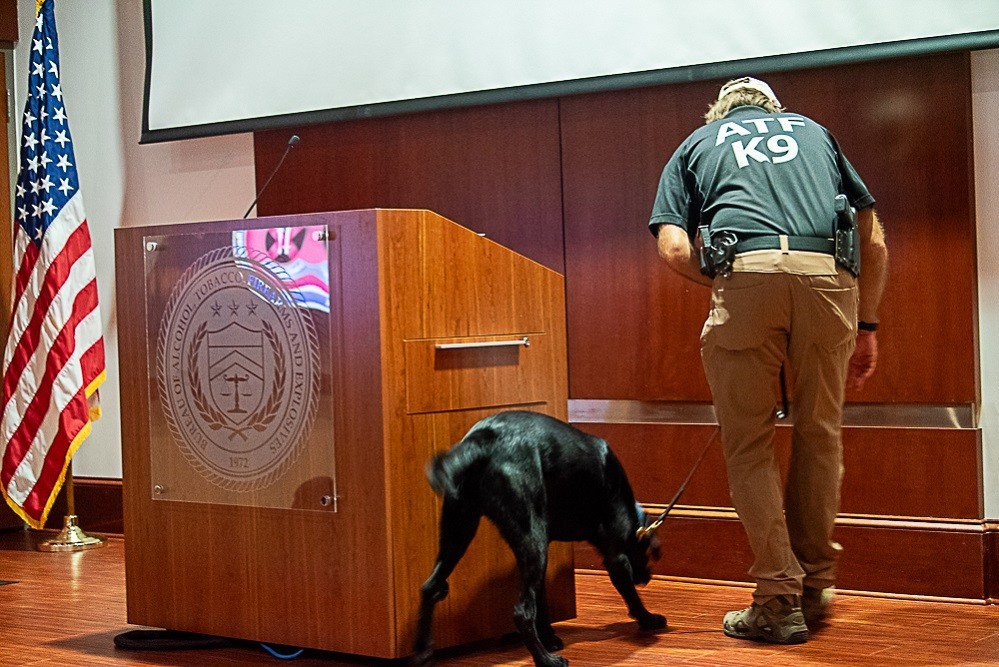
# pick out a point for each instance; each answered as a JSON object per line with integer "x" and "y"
{"x": 538, "y": 479}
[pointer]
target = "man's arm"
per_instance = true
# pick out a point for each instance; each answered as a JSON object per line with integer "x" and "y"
{"x": 680, "y": 255}
{"x": 871, "y": 286}
{"x": 873, "y": 264}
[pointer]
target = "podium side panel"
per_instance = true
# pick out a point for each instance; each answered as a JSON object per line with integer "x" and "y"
{"x": 444, "y": 283}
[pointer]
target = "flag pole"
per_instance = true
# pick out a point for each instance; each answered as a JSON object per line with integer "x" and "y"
{"x": 71, "y": 537}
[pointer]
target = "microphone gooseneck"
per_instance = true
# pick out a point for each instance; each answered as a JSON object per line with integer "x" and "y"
{"x": 287, "y": 149}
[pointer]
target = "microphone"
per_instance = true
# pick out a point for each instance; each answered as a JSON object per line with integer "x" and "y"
{"x": 287, "y": 149}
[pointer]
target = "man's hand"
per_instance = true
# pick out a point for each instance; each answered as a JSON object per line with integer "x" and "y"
{"x": 680, "y": 255}
{"x": 864, "y": 360}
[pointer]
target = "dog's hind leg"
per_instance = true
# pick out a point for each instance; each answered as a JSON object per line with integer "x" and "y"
{"x": 457, "y": 528}
{"x": 543, "y": 623}
{"x": 621, "y": 576}
{"x": 529, "y": 542}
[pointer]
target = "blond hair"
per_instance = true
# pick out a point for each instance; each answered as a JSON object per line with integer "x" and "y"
{"x": 738, "y": 98}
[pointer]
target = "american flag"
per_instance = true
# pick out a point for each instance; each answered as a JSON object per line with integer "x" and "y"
{"x": 54, "y": 359}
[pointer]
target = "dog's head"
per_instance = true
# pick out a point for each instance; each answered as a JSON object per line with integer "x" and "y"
{"x": 643, "y": 547}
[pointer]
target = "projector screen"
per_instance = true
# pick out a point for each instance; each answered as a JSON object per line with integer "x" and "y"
{"x": 240, "y": 65}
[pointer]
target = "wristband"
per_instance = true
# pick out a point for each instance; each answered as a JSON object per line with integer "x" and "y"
{"x": 867, "y": 326}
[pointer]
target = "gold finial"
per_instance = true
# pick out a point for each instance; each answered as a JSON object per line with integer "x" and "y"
{"x": 38, "y": 6}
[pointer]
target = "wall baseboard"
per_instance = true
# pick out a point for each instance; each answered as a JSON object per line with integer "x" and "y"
{"x": 98, "y": 504}
{"x": 907, "y": 556}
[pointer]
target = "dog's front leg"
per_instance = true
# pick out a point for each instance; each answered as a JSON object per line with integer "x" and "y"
{"x": 621, "y": 576}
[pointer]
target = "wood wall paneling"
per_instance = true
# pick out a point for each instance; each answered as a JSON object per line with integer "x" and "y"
{"x": 493, "y": 169}
{"x": 514, "y": 171}
{"x": 888, "y": 471}
{"x": 8, "y": 22}
{"x": 904, "y": 124}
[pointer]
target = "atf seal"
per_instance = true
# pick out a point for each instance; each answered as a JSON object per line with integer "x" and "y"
{"x": 238, "y": 369}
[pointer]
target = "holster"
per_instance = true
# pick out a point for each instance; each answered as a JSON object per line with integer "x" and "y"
{"x": 847, "y": 237}
{"x": 717, "y": 252}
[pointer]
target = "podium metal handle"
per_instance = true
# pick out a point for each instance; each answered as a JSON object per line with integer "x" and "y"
{"x": 492, "y": 343}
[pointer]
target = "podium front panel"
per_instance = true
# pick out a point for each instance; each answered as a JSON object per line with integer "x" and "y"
{"x": 240, "y": 397}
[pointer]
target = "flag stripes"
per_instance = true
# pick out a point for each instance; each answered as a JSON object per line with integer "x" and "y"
{"x": 54, "y": 357}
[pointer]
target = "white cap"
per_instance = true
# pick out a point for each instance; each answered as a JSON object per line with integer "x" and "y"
{"x": 751, "y": 83}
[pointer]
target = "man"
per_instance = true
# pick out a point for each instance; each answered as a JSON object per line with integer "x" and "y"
{"x": 779, "y": 297}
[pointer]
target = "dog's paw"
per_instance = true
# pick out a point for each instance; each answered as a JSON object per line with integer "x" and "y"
{"x": 650, "y": 621}
{"x": 552, "y": 660}
{"x": 551, "y": 642}
{"x": 421, "y": 659}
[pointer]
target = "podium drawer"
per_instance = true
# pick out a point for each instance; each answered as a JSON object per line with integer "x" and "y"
{"x": 474, "y": 372}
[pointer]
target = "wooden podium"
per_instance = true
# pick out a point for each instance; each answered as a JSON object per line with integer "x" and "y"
{"x": 429, "y": 327}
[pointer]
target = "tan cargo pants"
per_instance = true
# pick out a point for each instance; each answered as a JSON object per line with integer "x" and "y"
{"x": 757, "y": 320}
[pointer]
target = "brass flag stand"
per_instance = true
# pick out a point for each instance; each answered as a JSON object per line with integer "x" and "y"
{"x": 71, "y": 537}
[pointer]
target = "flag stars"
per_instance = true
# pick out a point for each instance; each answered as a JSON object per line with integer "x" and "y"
{"x": 64, "y": 187}
{"x": 63, "y": 162}
{"x": 33, "y": 163}
{"x": 57, "y": 91}
{"x": 28, "y": 118}
{"x": 61, "y": 138}
{"x": 48, "y": 206}
{"x": 39, "y": 69}
{"x": 54, "y": 68}
{"x": 36, "y": 45}
{"x": 30, "y": 141}
{"x": 45, "y": 159}
{"x": 59, "y": 115}
{"x": 46, "y": 184}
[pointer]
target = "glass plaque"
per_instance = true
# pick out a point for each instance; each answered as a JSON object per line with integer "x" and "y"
{"x": 238, "y": 337}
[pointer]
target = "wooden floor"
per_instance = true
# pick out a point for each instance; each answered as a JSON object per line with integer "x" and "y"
{"x": 65, "y": 609}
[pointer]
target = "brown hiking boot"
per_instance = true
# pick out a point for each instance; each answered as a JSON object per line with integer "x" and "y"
{"x": 816, "y": 603}
{"x": 778, "y": 621}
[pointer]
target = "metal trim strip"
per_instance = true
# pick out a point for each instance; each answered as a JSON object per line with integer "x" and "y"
{"x": 875, "y": 415}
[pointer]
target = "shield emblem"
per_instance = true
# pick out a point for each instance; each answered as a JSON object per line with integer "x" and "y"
{"x": 236, "y": 371}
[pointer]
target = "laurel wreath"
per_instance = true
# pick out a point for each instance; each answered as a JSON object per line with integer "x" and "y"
{"x": 214, "y": 418}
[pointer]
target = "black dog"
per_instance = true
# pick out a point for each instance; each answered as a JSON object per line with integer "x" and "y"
{"x": 538, "y": 479}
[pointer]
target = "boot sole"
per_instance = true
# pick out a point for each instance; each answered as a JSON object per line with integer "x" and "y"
{"x": 799, "y": 637}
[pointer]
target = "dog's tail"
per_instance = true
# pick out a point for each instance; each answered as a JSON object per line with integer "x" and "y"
{"x": 447, "y": 471}
{"x": 440, "y": 474}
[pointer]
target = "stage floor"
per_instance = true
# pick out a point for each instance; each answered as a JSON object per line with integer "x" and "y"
{"x": 65, "y": 609}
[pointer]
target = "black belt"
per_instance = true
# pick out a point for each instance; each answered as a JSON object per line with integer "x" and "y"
{"x": 806, "y": 243}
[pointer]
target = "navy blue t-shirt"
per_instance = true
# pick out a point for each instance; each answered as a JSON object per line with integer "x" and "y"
{"x": 753, "y": 172}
